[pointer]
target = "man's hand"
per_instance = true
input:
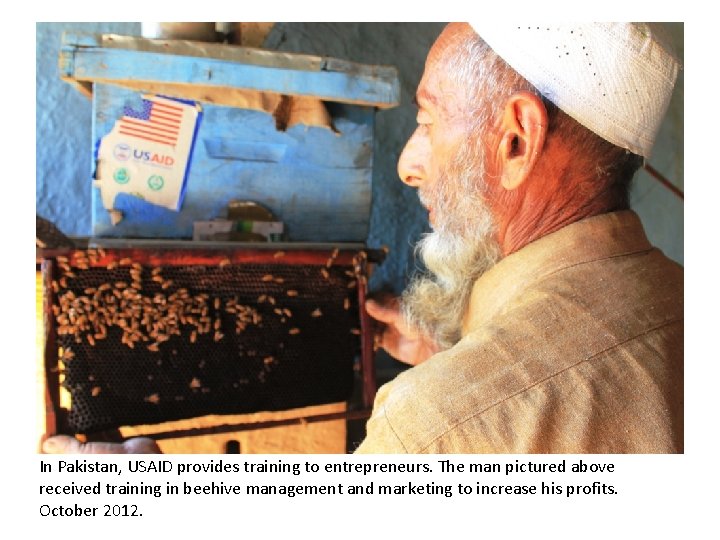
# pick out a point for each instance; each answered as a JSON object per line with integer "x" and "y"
{"x": 64, "y": 444}
{"x": 395, "y": 336}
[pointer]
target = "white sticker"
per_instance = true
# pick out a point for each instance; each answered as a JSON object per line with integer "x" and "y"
{"x": 147, "y": 152}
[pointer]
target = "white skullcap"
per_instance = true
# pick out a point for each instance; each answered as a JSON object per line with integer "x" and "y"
{"x": 616, "y": 79}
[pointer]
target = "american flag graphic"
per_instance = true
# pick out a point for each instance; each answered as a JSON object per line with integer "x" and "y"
{"x": 157, "y": 121}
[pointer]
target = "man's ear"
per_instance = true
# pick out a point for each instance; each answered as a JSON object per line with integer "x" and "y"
{"x": 523, "y": 128}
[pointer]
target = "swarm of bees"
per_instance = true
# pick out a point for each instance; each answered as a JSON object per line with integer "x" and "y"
{"x": 149, "y": 319}
{"x": 150, "y": 308}
{"x": 144, "y": 318}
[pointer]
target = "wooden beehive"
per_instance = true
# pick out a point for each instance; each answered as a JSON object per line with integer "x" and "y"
{"x": 315, "y": 177}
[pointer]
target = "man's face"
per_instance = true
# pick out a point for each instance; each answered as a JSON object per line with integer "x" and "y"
{"x": 441, "y": 132}
{"x": 444, "y": 159}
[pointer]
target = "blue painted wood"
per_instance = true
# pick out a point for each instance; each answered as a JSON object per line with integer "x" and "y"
{"x": 120, "y": 66}
{"x": 318, "y": 182}
{"x": 225, "y": 148}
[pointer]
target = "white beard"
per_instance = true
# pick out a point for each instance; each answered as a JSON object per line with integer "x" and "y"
{"x": 460, "y": 249}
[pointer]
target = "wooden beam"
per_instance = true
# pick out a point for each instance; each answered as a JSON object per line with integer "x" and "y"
{"x": 134, "y": 62}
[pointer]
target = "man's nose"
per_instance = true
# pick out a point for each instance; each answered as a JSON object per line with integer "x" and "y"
{"x": 412, "y": 167}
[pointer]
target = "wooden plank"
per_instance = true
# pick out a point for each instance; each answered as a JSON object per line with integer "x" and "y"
{"x": 53, "y": 414}
{"x": 224, "y": 51}
{"x": 199, "y": 255}
{"x": 317, "y": 429}
{"x": 326, "y": 79}
{"x": 367, "y": 343}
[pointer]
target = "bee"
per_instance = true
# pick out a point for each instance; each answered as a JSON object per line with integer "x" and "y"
{"x": 325, "y": 273}
{"x": 287, "y": 312}
{"x": 156, "y": 271}
{"x": 271, "y": 300}
{"x": 218, "y": 335}
{"x": 224, "y": 262}
{"x": 216, "y": 303}
{"x": 352, "y": 284}
{"x": 267, "y": 277}
{"x": 153, "y": 347}
{"x": 153, "y": 398}
{"x": 279, "y": 254}
{"x": 294, "y": 331}
{"x": 279, "y": 280}
{"x": 195, "y": 383}
{"x": 125, "y": 261}
{"x": 355, "y": 331}
{"x": 112, "y": 265}
{"x": 90, "y": 339}
{"x": 292, "y": 292}
{"x": 95, "y": 392}
{"x": 346, "y": 304}
{"x": 316, "y": 313}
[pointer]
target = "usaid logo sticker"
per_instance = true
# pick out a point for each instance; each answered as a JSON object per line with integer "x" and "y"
{"x": 122, "y": 152}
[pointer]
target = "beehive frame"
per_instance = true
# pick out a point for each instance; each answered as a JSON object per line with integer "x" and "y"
{"x": 139, "y": 276}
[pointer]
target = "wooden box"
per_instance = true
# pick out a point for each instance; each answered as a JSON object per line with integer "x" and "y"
{"x": 315, "y": 176}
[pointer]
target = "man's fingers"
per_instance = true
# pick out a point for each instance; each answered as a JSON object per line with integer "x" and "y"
{"x": 141, "y": 445}
{"x": 64, "y": 444}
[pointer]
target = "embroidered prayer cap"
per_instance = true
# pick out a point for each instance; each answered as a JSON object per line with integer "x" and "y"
{"x": 616, "y": 79}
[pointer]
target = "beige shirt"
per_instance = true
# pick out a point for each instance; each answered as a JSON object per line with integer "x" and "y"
{"x": 573, "y": 344}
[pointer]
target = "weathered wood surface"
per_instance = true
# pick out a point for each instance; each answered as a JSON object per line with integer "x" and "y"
{"x": 327, "y": 437}
{"x": 139, "y": 63}
{"x": 316, "y": 181}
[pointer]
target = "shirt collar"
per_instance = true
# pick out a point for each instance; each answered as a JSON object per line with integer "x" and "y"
{"x": 594, "y": 238}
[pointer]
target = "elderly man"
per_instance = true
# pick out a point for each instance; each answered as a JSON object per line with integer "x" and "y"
{"x": 547, "y": 322}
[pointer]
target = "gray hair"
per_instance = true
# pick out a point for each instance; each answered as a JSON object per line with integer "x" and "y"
{"x": 472, "y": 64}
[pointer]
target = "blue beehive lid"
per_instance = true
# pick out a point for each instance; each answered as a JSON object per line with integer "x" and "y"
{"x": 314, "y": 175}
